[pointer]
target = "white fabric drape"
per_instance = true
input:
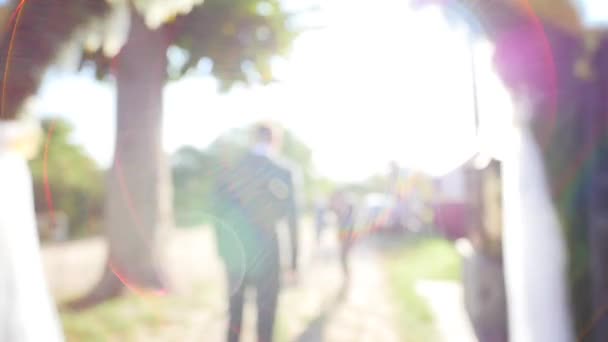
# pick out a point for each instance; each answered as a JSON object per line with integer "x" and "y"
{"x": 534, "y": 247}
{"x": 27, "y": 312}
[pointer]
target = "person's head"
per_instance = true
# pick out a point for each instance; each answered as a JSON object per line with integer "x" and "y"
{"x": 267, "y": 134}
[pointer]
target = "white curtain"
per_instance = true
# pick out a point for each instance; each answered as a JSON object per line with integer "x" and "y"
{"x": 534, "y": 247}
{"x": 27, "y": 312}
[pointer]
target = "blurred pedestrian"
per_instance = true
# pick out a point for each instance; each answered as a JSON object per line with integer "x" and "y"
{"x": 343, "y": 205}
{"x": 252, "y": 196}
{"x": 320, "y": 218}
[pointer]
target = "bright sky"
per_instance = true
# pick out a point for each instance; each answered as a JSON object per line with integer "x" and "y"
{"x": 593, "y": 12}
{"x": 379, "y": 83}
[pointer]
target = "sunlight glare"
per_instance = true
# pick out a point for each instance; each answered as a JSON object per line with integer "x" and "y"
{"x": 397, "y": 87}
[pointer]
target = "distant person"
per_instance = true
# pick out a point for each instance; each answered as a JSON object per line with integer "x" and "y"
{"x": 320, "y": 218}
{"x": 342, "y": 204}
{"x": 400, "y": 213}
{"x": 254, "y": 194}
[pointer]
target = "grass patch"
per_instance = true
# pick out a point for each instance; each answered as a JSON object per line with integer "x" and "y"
{"x": 428, "y": 258}
{"x": 134, "y": 318}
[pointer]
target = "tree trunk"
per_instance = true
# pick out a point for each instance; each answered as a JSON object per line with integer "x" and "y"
{"x": 138, "y": 200}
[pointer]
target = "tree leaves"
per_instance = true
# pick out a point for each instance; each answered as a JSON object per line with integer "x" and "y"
{"x": 36, "y": 35}
{"x": 240, "y": 36}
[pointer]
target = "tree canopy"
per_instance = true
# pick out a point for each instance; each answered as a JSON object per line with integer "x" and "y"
{"x": 239, "y": 38}
{"x": 194, "y": 171}
{"x": 37, "y": 32}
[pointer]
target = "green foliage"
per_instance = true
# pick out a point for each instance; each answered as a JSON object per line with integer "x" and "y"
{"x": 137, "y": 318}
{"x": 75, "y": 181}
{"x": 240, "y": 38}
{"x": 130, "y": 318}
{"x": 195, "y": 171}
{"x": 297, "y": 152}
{"x": 192, "y": 185}
{"x": 233, "y": 142}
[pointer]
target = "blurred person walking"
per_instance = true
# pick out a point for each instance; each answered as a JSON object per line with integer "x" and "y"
{"x": 320, "y": 218}
{"x": 253, "y": 195}
{"x": 343, "y": 205}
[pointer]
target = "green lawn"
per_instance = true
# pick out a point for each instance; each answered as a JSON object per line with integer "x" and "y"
{"x": 135, "y": 318}
{"x": 428, "y": 258}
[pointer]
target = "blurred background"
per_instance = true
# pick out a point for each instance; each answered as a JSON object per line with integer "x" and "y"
{"x": 466, "y": 136}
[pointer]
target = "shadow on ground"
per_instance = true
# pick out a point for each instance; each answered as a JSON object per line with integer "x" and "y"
{"x": 314, "y": 330}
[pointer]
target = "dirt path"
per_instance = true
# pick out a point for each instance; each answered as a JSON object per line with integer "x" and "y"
{"x": 318, "y": 308}
{"x": 360, "y": 312}
{"x": 446, "y": 302}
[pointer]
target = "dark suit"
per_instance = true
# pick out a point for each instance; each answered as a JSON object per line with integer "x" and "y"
{"x": 252, "y": 196}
